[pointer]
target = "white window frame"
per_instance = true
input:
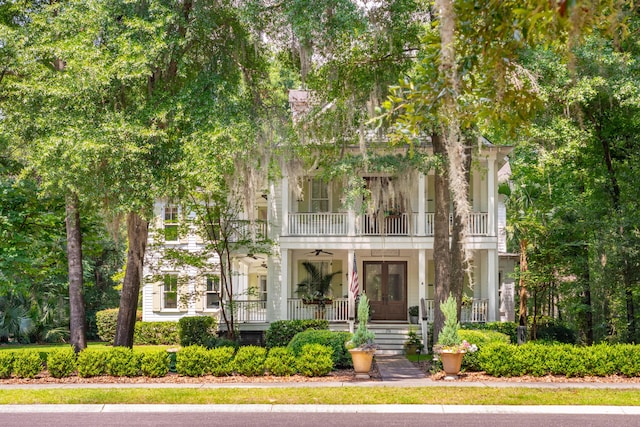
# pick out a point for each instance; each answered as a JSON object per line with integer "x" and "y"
{"x": 262, "y": 287}
{"x": 323, "y": 187}
{"x": 170, "y": 219}
{"x": 210, "y": 291}
{"x": 174, "y": 277}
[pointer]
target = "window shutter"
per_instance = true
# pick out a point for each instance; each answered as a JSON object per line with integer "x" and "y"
{"x": 156, "y": 291}
{"x": 199, "y": 294}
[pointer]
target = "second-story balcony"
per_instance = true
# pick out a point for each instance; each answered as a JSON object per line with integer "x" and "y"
{"x": 403, "y": 224}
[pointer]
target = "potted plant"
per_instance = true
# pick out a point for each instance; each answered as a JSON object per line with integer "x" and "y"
{"x": 316, "y": 287}
{"x": 413, "y": 314}
{"x": 361, "y": 345}
{"x": 450, "y": 346}
{"x": 413, "y": 344}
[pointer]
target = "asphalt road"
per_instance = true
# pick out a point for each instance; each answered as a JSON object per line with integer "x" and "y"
{"x": 294, "y": 419}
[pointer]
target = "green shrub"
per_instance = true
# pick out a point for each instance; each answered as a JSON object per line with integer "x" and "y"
{"x": 220, "y": 359}
{"x": 480, "y": 339}
{"x": 281, "y": 362}
{"x": 250, "y": 360}
{"x": 223, "y": 342}
{"x": 92, "y": 362}
{"x": 315, "y": 360}
{"x": 27, "y": 364}
{"x": 6, "y": 363}
{"x": 122, "y": 362}
{"x": 507, "y": 328}
{"x": 333, "y": 339}
{"x": 61, "y": 362}
{"x": 156, "y": 333}
{"x": 155, "y": 363}
{"x": 193, "y": 361}
{"x": 196, "y": 330}
{"x": 281, "y": 332}
{"x": 552, "y": 330}
{"x": 106, "y": 323}
{"x": 497, "y": 359}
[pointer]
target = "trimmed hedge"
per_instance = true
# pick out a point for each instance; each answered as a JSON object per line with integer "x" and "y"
{"x": 221, "y": 358}
{"x": 155, "y": 363}
{"x": 196, "y": 330}
{"x": 334, "y": 340}
{"x": 250, "y": 360}
{"x": 499, "y": 359}
{"x": 508, "y": 328}
{"x": 92, "y": 362}
{"x": 480, "y": 339}
{"x": 156, "y": 333}
{"x": 281, "y": 362}
{"x": 123, "y": 362}
{"x": 6, "y": 363}
{"x": 315, "y": 360}
{"x": 28, "y": 364}
{"x": 61, "y": 362}
{"x": 281, "y": 332}
{"x": 193, "y": 361}
{"x": 106, "y": 321}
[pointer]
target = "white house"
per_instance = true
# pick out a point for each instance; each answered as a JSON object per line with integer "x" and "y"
{"x": 391, "y": 250}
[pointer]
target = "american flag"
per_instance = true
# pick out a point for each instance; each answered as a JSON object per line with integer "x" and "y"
{"x": 355, "y": 286}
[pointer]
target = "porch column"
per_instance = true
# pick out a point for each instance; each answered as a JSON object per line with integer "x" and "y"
{"x": 422, "y": 278}
{"x": 351, "y": 223}
{"x": 421, "y": 207}
{"x": 492, "y": 284}
{"x": 492, "y": 195}
{"x": 284, "y": 284}
{"x": 285, "y": 206}
{"x": 352, "y": 301}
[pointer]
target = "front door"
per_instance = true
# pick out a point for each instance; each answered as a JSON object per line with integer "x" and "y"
{"x": 385, "y": 283}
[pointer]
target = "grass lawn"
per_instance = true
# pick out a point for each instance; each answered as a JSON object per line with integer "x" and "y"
{"x": 332, "y": 396}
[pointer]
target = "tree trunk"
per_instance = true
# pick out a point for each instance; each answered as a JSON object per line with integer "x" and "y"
{"x": 524, "y": 267}
{"x": 441, "y": 253}
{"x": 457, "y": 241}
{"x": 77, "y": 319}
{"x": 137, "y": 233}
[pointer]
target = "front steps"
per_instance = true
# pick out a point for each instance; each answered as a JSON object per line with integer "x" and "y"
{"x": 390, "y": 337}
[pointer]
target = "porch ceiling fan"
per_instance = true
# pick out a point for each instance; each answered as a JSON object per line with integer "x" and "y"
{"x": 254, "y": 256}
{"x": 319, "y": 251}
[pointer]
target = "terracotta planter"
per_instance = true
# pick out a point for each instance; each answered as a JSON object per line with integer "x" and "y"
{"x": 451, "y": 362}
{"x": 362, "y": 360}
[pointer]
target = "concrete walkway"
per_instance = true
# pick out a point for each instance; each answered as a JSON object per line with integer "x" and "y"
{"x": 396, "y": 368}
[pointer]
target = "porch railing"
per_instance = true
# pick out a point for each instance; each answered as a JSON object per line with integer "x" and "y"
{"x": 250, "y": 311}
{"x": 337, "y": 311}
{"x": 314, "y": 224}
{"x": 404, "y": 224}
{"x": 476, "y": 313}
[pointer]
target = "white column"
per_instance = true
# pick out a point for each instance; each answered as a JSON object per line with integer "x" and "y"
{"x": 492, "y": 284}
{"x": 285, "y": 206}
{"x": 352, "y": 302}
{"x": 492, "y": 192}
{"x": 422, "y": 202}
{"x": 284, "y": 284}
{"x": 422, "y": 278}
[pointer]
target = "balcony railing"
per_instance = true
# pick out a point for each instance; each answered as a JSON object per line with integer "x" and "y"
{"x": 318, "y": 224}
{"x": 250, "y": 311}
{"x": 403, "y": 224}
{"x": 337, "y": 311}
{"x": 476, "y": 313}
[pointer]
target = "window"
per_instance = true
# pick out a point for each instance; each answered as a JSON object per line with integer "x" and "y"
{"x": 212, "y": 292}
{"x": 170, "y": 291}
{"x": 262, "y": 291}
{"x": 171, "y": 223}
{"x": 319, "y": 195}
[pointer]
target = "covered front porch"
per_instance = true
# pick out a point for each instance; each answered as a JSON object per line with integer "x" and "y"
{"x": 337, "y": 311}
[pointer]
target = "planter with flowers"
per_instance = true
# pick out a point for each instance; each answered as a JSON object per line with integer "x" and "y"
{"x": 361, "y": 345}
{"x": 451, "y": 347}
